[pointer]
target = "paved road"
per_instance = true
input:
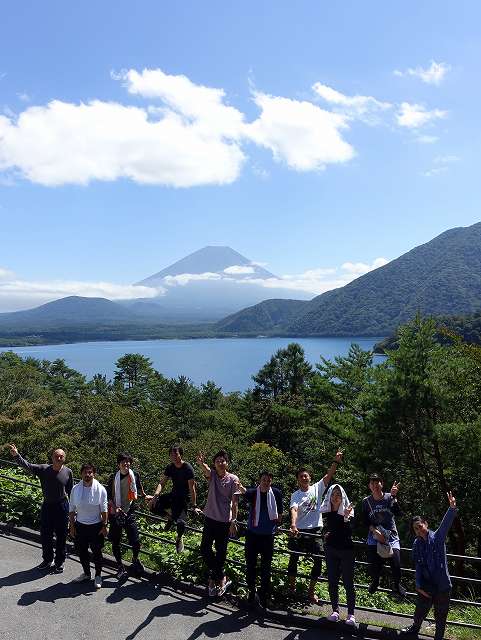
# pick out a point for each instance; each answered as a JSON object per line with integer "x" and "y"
{"x": 45, "y": 607}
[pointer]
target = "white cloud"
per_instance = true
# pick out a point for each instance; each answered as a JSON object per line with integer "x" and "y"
{"x": 446, "y": 159}
{"x": 64, "y": 143}
{"x": 16, "y": 293}
{"x": 184, "y": 278}
{"x": 434, "y": 74}
{"x": 414, "y": 116}
{"x": 299, "y": 133}
{"x": 436, "y": 171}
{"x": 320, "y": 280}
{"x": 360, "y": 268}
{"x": 24, "y": 97}
{"x": 239, "y": 270}
{"x": 364, "y": 108}
{"x": 427, "y": 139}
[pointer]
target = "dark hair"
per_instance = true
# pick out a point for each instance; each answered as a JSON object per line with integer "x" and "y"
{"x": 415, "y": 520}
{"x": 221, "y": 454}
{"x": 301, "y": 470}
{"x": 124, "y": 456}
{"x": 88, "y": 465}
{"x": 266, "y": 473}
{"x": 376, "y": 476}
{"x": 176, "y": 447}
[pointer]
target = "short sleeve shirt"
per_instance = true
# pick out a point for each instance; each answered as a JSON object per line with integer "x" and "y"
{"x": 219, "y": 498}
{"x": 308, "y": 505}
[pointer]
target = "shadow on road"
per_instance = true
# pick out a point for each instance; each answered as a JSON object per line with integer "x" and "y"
{"x": 192, "y": 608}
{"x": 56, "y": 592}
{"x": 20, "y": 577}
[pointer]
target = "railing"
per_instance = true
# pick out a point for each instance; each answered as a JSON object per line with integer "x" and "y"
{"x": 153, "y": 518}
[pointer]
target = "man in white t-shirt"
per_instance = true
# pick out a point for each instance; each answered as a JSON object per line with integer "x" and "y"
{"x": 306, "y": 524}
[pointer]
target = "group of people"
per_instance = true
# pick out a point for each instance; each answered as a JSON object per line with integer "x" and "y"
{"x": 321, "y": 518}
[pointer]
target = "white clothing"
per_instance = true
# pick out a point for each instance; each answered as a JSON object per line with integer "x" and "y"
{"x": 88, "y": 502}
{"x": 308, "y": 505}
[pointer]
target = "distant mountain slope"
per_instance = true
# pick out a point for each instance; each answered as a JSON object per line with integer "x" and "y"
{"x": 441, "y": 277}
{"x": 71, "y": 310}
{"x": 263, "y": 317}
{"x": 208, "y": 260}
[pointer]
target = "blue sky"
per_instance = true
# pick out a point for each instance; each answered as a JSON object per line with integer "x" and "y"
{"x": 306, "y": 135}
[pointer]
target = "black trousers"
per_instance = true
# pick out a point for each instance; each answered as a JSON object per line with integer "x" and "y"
{"x": 305, "y": 544}
{"x": 340, "y": 563}
{"x": 215, "y": 534}
{"x": 376, "y": 564}
{"x": 178, "y": 509}
{"x": 88, "y": 535}
{"x": 263, "y": 545}
{"x": 54, "y": 520}
{"x": 440, "y": 602}
{"x": 115, "y": 536}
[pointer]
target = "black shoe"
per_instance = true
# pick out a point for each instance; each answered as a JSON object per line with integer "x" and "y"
{"x": 138, "y": 568}
{"x": 45, "y": 565}
{"x": 400, "y": 590}
{"x": 373, "y": 587}
{"x": 121, "y": 573}
{"x": 58, "y": 569}
{"x": 412, "y": 630}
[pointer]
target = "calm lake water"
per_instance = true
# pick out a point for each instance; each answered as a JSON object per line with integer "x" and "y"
{"x": 230, "y": 362}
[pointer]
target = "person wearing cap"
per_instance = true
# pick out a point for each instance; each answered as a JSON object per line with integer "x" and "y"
{"x": 338, "y": 513}
{"x": 379, "y": 510}
{"x": 433, "y": 582}
{"x": 123, "y": 489}
{"x": 56, "y": 481}
{"x": 306, "y": 524}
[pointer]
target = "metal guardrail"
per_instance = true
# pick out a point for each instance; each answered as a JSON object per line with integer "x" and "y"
{"x": 152, "y": 517}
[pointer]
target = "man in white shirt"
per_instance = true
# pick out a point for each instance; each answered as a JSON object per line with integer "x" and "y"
{"x": 88, "y": 522}
{"x": 306, "y": 524}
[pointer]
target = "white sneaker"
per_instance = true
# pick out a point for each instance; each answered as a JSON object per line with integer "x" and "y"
{"x": 83, "y": 577}
{"x": 334, "y": 617}
{"x": 223, "y": 588}
{"x": 98, "y": 582}
{"x": 213, "y": 591}
{"x": 351, "y": 620}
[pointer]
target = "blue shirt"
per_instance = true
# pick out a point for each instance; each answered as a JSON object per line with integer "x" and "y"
{"x": 430, "y": 557}
{"x": 266, "y": 526}
{"x": 381, "y": 513}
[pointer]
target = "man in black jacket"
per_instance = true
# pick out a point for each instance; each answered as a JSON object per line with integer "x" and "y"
{"x": 56, "y": 481}
{"x": 123, "y": 489}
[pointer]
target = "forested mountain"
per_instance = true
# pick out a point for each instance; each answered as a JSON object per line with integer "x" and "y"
{"x": 266, "y": 316}
{"x": 441, "y": 277}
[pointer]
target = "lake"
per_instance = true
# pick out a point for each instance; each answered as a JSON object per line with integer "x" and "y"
{"x": 229, "y": 362}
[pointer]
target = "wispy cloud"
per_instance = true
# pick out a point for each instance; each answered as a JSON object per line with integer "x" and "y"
{"x": 414, "y": 116}
{"x": 434, "y": 74}
{"x": 441, "y": 165}
{"x": 365, "y": 108}
{"x": 239, "y": 270}
{"x": 24, "y": 97}
{"x": 424, "y": 139}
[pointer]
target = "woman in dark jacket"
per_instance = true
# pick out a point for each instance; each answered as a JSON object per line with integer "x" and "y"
{"x": 339, "y": 550}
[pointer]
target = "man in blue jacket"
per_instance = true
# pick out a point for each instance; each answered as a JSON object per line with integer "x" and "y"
{"x": 433, "y": 582}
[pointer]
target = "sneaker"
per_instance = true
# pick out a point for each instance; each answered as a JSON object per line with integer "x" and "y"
{"x": 121, "y": 573}
{"x": 138, "y": 567}
{"x": 98, "y": 582}
{"x": 400, "y": 590}
{"x": 334, "y": 617}
{"x": 351, "y": 620}
{"x": 58, "y": 569}
{"x": 412, "y": 630}
{"x": 179, "y": 545}
{"x": 45, "y": 565}
{"x": 83, "y": 577}
{"x": 373, "y": 587}
{"x": 213, "y": 591}
{"x": 223, "y": 588}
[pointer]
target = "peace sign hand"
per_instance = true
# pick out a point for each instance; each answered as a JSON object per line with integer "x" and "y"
{"x": 338, "y": 456}
{"x": 452, "y": 500}
{"x": 13, "y": 450}
{"x": 395, "y": 489}
{"x": 200, "y": 458}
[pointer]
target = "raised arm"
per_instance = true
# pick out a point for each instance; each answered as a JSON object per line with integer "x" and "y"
{"x": 206, "y": 470}
{"x": 35, "y": 469}
{"x": 442, "y": 531}
{"x": 332, "y": 469}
